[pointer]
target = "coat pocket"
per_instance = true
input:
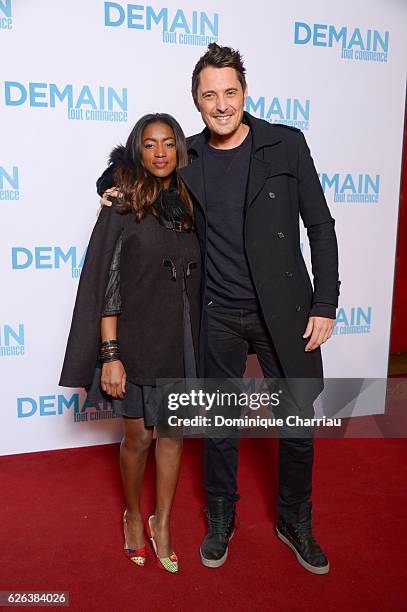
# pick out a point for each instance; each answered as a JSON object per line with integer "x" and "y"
{"x": 280, "y": 167}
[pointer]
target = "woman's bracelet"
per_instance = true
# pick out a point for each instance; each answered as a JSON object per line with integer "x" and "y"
{"x": 109, "y": 351}
{"x": 109, "y": 343}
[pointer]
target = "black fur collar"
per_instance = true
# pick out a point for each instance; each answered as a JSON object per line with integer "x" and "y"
{"x": 118, "y": 157}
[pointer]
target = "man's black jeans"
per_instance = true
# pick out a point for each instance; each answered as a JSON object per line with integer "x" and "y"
{"x": 230, "y": 330}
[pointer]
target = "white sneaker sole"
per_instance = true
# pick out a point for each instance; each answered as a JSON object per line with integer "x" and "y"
{"x": 311, "y": 568}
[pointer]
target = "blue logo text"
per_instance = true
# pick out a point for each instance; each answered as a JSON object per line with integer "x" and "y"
{"x": 290, "y": 111}
{"x": 351, "y": 188}
{"x": 177, "y": 27}
{"x": 354, "y": 320}
{"x": 47, "y": 258}
{"x": 6, "y": 17}
{"x": 12, "y": 340}
{"x": 83, "y": 104}
{"x": 9, "y": 183}
{"x": 354, "y": 44}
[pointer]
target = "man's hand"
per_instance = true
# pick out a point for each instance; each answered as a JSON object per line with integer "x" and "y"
{"x": 113, "y": 379}
{"x": 320, "y": 329}
{"x": 113, "y": 191}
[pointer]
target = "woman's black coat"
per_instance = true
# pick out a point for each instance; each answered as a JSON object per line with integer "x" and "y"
{"x": 150, "y": 328}
{"x": 283, "y": 186}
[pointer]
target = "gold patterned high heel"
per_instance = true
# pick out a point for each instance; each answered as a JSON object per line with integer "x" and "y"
{"x": 136, "y": 555}
{"x": 169, "y": 564}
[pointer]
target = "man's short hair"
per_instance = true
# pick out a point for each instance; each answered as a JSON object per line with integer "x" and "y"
{"x": 218, "y": 57}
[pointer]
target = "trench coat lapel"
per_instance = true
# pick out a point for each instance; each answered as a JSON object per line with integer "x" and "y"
{"x": 258, "y": 172}
{"x": 260, "y": 169}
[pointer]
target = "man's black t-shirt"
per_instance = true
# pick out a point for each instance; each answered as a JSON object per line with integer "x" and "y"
{"x": 226, "y": 173}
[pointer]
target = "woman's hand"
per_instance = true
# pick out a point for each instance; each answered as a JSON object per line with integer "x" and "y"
{"x": 113, "y": 191}
{"x": 113, "y": 379}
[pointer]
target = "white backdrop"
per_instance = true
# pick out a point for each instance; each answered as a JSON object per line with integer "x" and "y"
{"x": 60, "y": 54}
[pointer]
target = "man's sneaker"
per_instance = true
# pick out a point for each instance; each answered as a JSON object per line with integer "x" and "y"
{"x": 221, "y": 525}
{"x": 299, "y": 537}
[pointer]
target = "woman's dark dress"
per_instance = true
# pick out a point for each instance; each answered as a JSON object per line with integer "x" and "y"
{"x": 152, "y": 283}
{"x": 140, "y": 401}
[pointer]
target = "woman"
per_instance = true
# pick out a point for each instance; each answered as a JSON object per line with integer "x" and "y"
{"x": 137, "y": 315}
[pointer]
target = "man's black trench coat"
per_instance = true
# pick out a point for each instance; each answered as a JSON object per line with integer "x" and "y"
{"x": 283, "y": 186}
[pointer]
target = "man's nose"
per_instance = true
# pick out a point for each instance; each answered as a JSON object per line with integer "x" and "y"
{"x": 221, "y": 104}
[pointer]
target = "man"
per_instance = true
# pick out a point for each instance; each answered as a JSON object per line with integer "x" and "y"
{"x": 250, "y": 181}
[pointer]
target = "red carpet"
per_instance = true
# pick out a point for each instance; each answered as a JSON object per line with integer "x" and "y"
{"x": 61, "y": 529}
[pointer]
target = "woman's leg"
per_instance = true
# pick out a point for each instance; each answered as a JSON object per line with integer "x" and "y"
{"x": 133, "y": 456}
{"x": 168, "y": 453}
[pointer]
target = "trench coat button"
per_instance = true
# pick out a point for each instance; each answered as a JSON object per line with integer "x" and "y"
{"x": 280, "y": 235}
{"x": 272, "y": 195}
{"x": 289, "y": 274}
{"x": 298, "y": 308}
